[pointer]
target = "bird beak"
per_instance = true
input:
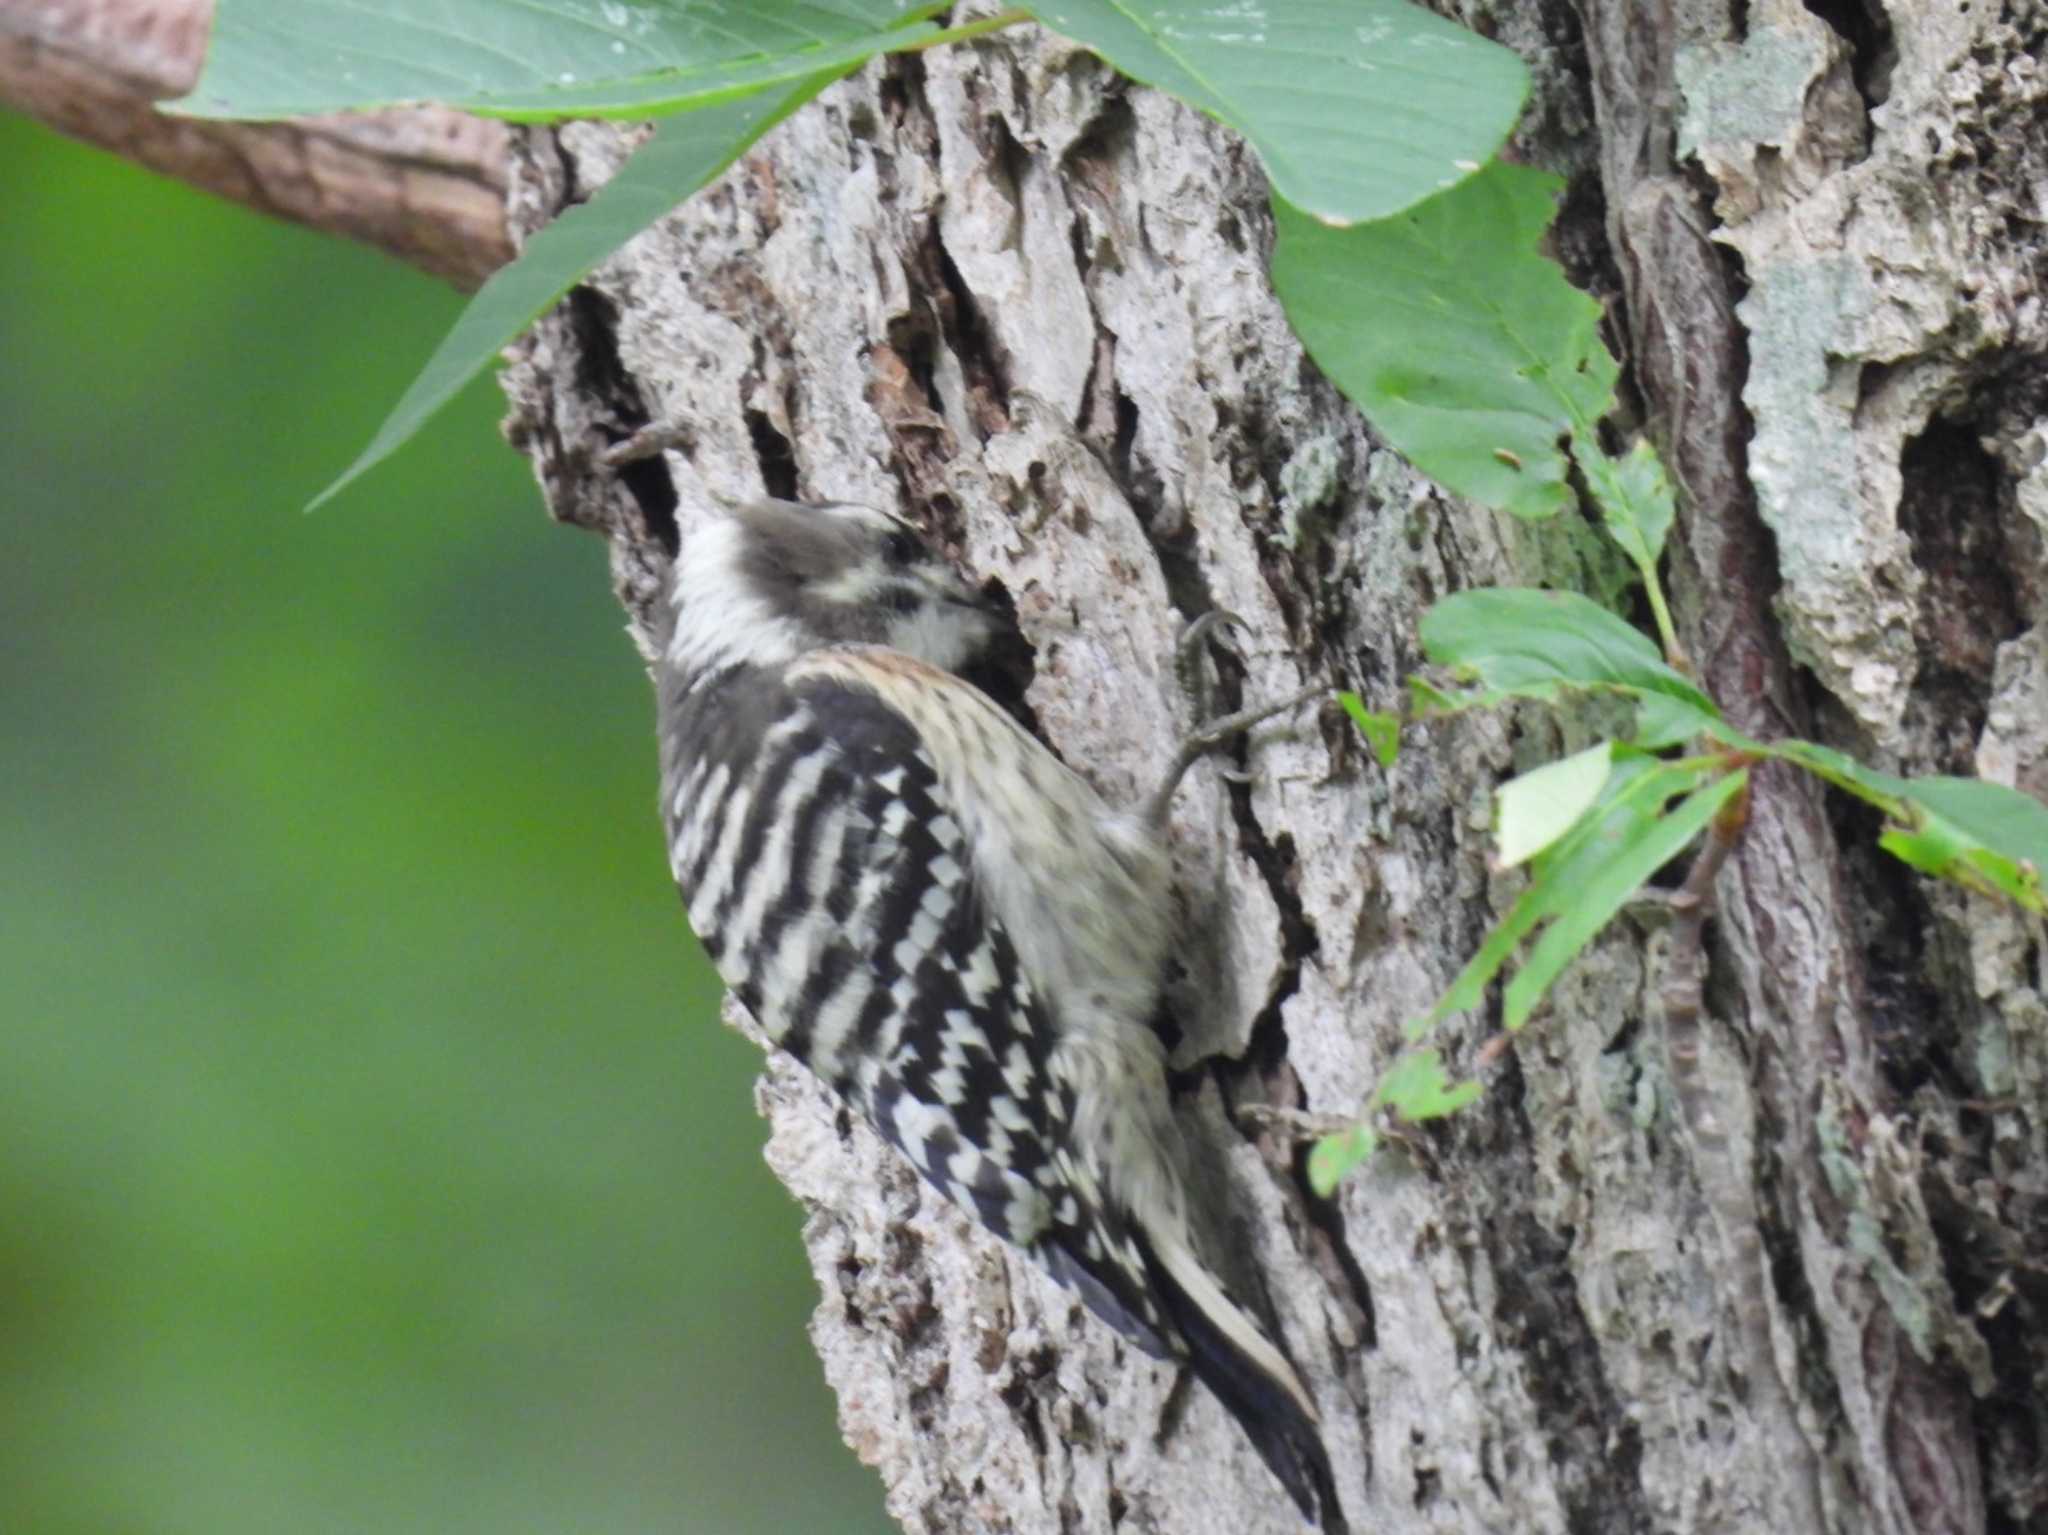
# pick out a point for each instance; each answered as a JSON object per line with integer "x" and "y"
{"x": 951, "y": 590}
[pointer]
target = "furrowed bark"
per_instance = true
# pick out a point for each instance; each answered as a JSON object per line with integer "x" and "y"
{"x": 1002, "y": 287}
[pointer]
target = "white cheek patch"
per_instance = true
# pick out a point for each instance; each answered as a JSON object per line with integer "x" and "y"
{"x": 719, "y": 620}
{"x": 854, "y": 587}
{"x": 944, "y": 635}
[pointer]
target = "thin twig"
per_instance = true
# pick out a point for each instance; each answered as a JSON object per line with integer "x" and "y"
{"x": 1685, "y": 974}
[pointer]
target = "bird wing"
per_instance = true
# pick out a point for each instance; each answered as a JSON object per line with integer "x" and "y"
{"x": 831, "y": 882}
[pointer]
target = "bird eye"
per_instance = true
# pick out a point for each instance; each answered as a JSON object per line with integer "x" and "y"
{"x": 901, "y": 548}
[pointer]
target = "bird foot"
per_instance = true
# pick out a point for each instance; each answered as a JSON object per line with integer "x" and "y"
{"x": 1217, "y": 732}
{"x": 1189, "y": 647}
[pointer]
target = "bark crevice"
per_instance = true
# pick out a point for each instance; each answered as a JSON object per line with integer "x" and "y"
{"x": 998, "y": 284}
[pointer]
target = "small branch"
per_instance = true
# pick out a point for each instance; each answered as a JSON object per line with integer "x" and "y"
{"x": 1685, "y": 972}
{"x": 1725, "y": 1185}
{"x": 424, "y": 184}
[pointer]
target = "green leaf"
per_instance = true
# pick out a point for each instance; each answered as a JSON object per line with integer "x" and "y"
{"x": 1637, "y": 789}
{"x": 1524, "y": 643}
{"x": 1534, "y": 810}
{"x": 1844, "y": 772}
{"x": 1634, "y": 495}
{"x": 1465, "y": 348}
{"x": 1966, "y": 862}
{"x": 1628, "y": 847}
{"x": 1638, "y": 506}
{"x": 684, "y": 153}
{"x": 532, "y": 58}
{"x": 1428, "y": 698}
{"x": 1936, "y": 846}
{"x": 1359, "y": 108}
{"x": 1336, "y": 1155}
{"x": 1992, "y": 816}
{"x": 1663, "y": 721}
{"x": 1416, "y": 1087}
{"x": 1381, "y": 731}
{"x": 1980, "y": 835}
{"x": 1930, "y": 854}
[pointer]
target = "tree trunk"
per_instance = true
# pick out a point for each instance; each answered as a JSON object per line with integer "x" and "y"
{"x": 1797, "y": 1288}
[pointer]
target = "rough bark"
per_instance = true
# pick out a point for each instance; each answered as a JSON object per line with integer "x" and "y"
{"x": 424, "y": 183}
{"x": 999, "y": 285}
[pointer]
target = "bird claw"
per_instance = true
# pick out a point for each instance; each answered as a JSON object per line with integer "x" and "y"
{"x": 1206, "y": 738}
{"x": 1189, "y": 647}
{"x": 1214, "y": 733}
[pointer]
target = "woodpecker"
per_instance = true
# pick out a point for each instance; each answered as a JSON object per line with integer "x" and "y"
{"x": 950, "y": 927}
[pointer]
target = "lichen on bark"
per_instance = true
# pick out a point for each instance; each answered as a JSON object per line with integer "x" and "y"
{"x": 1002, "y": 288}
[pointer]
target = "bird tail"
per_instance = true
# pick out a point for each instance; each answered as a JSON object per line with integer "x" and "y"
{"x": 1248, "y": 1374}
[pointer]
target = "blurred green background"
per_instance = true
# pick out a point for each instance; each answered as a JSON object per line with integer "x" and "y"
{"x": 371, "y": 1157}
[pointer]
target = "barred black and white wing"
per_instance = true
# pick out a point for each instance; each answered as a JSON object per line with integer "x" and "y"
{"x": 829, "y": 878}
{"x": 951, "y": 928}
